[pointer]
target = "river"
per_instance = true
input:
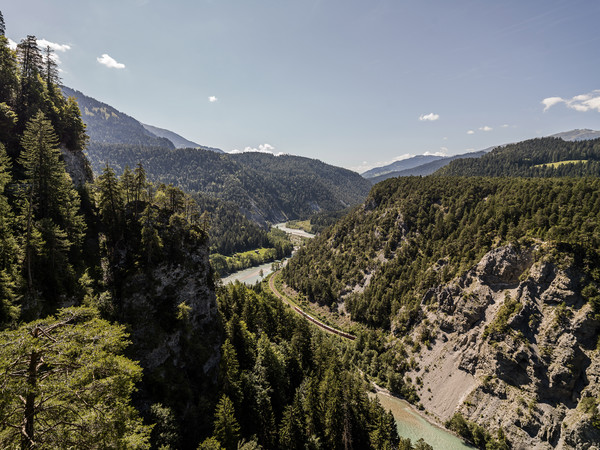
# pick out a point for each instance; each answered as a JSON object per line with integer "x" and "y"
{"x": 252, "y": 275}
{"x": 293, "y": 231}
{"x": 249, "y": 276}
{"x": 411, "y": 425}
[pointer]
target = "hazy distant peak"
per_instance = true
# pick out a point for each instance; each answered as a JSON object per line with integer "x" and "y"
{"x": 403, "y": 164}
{"x": 176, "y": 139}
{"x": 578, "y": 135}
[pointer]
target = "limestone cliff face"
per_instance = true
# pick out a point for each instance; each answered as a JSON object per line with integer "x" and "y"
{"x": 77, "y": 166}
{"x": 170, "y": 309}
{"x": 514, "y": 346}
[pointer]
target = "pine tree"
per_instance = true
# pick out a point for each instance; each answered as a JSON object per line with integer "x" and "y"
{"x": 30, "y": 58}
{"x": 227, "y": 429}
{"x": 31, "y": 94}
{"x": 140, "y": 186}
{"x": 8, "y": 247}
{"x": 73, "y": 129}
{"x": 127, "y": 183}
{"x": 151, "y": 241}
{"x": 2, "y": 25}
{"x": 110, "y": 202}
{"x": 50, "y": 68}
{"x": 8, "y": 73}
{"x": 229, "y": 373}
{"x": 49, "y": 187}
{"x": 49, "y": 206}
{"x": 65, "y": 384}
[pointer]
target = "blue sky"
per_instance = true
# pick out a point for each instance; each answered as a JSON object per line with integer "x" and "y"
{"x": 353, "y": 83}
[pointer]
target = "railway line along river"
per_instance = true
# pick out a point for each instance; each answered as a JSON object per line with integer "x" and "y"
{"x": 410, "y": 423}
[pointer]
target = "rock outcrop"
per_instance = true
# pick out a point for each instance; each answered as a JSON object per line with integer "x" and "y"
{"x": 515, "y": 348}
{"x": 77, "y": 166}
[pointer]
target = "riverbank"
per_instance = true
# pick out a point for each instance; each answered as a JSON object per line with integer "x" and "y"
{"x": 251, "y": 275}
{"x": 414, "y": 424}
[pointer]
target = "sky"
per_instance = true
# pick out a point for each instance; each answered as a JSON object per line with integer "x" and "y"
{"x": 357, "y": 84}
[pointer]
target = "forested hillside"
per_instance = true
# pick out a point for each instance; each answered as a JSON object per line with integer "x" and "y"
{"x": 105, "y": 124}
{"x": 110, "y": 331}
{"x": 415, "y": 233}
{"x": 265, "y": 187}
{"x": 430, "y": 259}
{"x": 288, "y": 385}
{"x": 545, "y": 157}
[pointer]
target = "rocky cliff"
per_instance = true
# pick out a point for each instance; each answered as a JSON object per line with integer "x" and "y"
{"x": 172, "y": 314}
{"x": 77, "y": 166}
{"x": 512, "y": 344}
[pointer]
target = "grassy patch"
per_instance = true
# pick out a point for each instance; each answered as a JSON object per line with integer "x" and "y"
{"x": 554, "y": 165}
{"x": 224, "y": 265}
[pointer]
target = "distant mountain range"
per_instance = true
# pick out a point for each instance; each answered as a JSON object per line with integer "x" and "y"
{"x": 422, "y": 165}
{"x": 398, "y": 166}
{"x": 427, "y": 168}
{"x": 265, "y": 188}
{"x": 107, "y": 125}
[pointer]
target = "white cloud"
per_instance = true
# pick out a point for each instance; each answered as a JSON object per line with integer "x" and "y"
{"x": 442, "y": 153}
{"x": 43, "y": 43}
{"x": 486, "y": 128}
{"x": 505, "y": 125}
{"x": 470, "y": 132}
{"x": 551, "y": 101}
{"x": 212, "y": 99}
{"x": 431, "y": 117}
{"x": 262, "y": 148}
{"x": 581, "y": 102}
{"x": 110, "y": 62}
{"x": 12, "y": 44}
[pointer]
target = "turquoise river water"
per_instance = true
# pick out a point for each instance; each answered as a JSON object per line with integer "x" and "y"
{"x": 409, "y": 423}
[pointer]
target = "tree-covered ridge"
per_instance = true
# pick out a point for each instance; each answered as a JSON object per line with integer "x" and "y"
{"x": 416, "y": 233}
{"x": 28, "y": 85}
{"x": 230, "y": 231}
{"x": 287, "y": 385}
{"x": 264, "y": 187}
{"x": 107, "y": 125}
{"x": 533, "y": 158}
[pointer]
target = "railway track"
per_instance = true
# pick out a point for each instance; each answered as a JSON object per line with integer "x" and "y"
{"x": 307, "y": 316}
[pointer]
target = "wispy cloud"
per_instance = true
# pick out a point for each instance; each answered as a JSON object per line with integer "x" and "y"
{"x": 442, "y": 153}
{"x": 505, "y": 125}
{"x": 430, "y": 117}
{"x": 581, "y": 102}
{"x": 470, "y": 132}
{"x": 43, "y": 43}
{"x": 551, "y": 101}
{"x": 486, "y": 128}
{"x": 212, "y": 99}
{"x": 107, "y": 61}
{"x": 262, "y": 148}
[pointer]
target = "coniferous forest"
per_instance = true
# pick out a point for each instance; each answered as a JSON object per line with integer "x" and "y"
{"x": 111, "y": 333}
{"x": 473, "y": 294}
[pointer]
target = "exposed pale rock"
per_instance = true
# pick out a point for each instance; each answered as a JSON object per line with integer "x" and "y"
{"x": 529, "y": 374}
